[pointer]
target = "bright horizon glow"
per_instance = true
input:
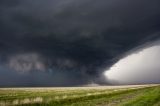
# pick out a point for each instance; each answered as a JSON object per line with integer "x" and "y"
{"x": 141, "y": 67}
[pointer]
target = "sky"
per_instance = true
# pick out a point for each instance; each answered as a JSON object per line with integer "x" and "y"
{"x": 74, "y": 42}
{"x": 142, "y": 67}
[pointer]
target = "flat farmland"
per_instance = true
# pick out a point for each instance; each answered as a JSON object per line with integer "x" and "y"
{"x": 128, "y": 95}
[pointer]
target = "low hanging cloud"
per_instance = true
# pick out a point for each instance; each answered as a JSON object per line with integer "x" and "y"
{"x": 74, "y": 39}
{"x": 26, "y": 62}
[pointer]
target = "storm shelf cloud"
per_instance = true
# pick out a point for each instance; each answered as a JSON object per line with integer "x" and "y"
{"x": 73, "y": 42}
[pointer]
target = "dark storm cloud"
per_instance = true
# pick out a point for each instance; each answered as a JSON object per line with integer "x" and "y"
{"x": 79, "y": 38}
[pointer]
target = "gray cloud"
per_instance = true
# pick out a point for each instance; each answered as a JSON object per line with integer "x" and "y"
{"x": 26, "y": 62}
{"x": 73, "y": 38}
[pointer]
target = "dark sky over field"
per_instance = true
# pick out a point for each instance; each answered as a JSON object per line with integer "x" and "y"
{"x": 72, "y": 42}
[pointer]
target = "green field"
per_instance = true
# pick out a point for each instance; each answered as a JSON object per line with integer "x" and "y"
{"x": 132, "y": 95}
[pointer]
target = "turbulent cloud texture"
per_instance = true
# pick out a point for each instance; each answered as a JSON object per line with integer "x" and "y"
{"x": 73, "y": 39}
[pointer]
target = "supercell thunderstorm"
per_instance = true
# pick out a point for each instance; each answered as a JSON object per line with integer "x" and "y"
{"x": 71, "y": 42}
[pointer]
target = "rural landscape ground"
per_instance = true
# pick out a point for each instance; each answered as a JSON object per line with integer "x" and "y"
{"x": 131, "y": 95}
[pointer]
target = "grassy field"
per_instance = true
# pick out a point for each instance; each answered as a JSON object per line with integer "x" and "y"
{"x": 132, "y": 95}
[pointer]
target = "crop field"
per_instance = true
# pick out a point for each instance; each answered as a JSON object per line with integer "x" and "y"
{"x": 131, "y": 95}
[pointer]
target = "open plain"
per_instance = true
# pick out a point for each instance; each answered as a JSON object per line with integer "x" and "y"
{"x": 130, "y": 95}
